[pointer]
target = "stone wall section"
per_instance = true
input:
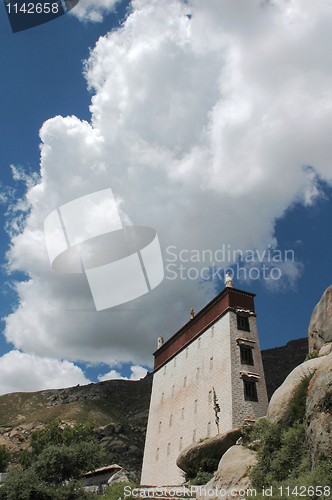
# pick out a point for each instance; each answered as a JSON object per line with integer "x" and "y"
{"x": 243, "y": 410}
{"x": 181, "y": 408}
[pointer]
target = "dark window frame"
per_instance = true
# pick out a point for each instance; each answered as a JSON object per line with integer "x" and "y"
{"x": 250, "y": 390}
{"x": 243, "y": 322}
{"x": 246, "y": 355}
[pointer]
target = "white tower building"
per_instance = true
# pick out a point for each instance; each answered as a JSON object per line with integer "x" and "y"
{"x": 218, "y": 348}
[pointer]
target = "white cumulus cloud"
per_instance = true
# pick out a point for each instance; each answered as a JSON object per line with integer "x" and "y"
{"x": 93, "y": 10}
{"x": 21, "y": 372}
{"x": 138, "y": 372}
{"x": 209, "y": 119}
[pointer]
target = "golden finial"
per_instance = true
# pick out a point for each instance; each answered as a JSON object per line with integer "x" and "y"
{"x": 192, "y": 314}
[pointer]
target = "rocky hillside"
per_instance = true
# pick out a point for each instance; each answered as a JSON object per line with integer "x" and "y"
{"x": 280, "y": 361}
{"x": 118, "y": 407}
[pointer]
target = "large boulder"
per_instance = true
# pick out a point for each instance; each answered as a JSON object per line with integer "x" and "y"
{"x": 320, "y": 326}
{"x": 232, "y": 476}
{"x": 319, "y": 412}
{"x": 278, "y": 406}
{"x": 123, "y": 476}
{"x": 212, "y": 448}
{"x": 325, "y": 350}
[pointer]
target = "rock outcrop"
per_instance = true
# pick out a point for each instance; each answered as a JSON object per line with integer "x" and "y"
{"x": 320, "y": 326}
{"x": 325, "y": 350}
{"x": 120, "y": 446}
{"x": 232, "y": 476}
{"x": 119, "y": 409}
{"x": 16, "y": 439}
{"x": 319, "y": 412}
{"x": 123, "y": 476}
{"x": 212, "y": 448}
{"x": 278, "y": 406}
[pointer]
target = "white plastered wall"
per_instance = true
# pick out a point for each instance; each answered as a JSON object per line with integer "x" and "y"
{"x": 181, "y": 408}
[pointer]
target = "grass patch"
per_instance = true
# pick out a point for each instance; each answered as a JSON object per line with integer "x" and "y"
{"x": 119, "y": 491}
{"x": 283, "y": 456}
{"x": 201, "y": 471}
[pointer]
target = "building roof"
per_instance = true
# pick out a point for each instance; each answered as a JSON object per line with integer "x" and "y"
{"x": 102, "y": 470}
{"x": 228, "y": 299}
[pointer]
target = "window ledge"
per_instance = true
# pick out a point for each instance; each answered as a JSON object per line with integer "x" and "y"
{"x": 241, "y": 340}
{"x": 250, "y": 375}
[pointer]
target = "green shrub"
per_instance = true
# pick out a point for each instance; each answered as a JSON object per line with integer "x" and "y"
{"x": 312, "y": 354}
{"x": 202, "y": 478}
{"x": 5, "y": 457}
{"x": 56, "y": 464}
{"x": 117, "y": 491}
{"x": 57, "y": 433}
{"x": 59, "y": 455}
{"x": 26, "y": 485}
{"x": 283, "y": 454}
{"x": 304, "y": 486}
{"x": 201, "y": 465}
{"x": 296, "y": 408}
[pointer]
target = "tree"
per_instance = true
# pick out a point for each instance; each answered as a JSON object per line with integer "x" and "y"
{"x": 59, "y": 456}
{"x": 59, "y": 434}
{"x": 26, "y": 485}
{"x": 5, "y": 456}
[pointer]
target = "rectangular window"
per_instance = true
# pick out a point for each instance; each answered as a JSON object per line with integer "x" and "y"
{"x": 243, "y": 323}
{"x": 180, "y": 444}
{"x": 168, "y": 448}
{"x": 212, "y": 331}
{"x": 182, "y": 414}
{"x": 162, "y": 397}
{"x": 174, "y": 362}
{"x": 184, "y": 381}
{"x": 159, "y": 427}
{"x": 195, "y": 406}
{"x": 199, "y": 343}
{"x": 194, "y": 435}
{"x": 187, "y": 352}
{"x": 165, "y": 370}
{"x": 209, "y": 429}
{"x": 210, "y": 397}
{"x": 170, "y": 420}
{"x": 157, "y": 454}
{"x": 250, "y": 390}
{"x": 197, "y": 373}
{"x": 246, "y": 355}
{"x": 211, "y": 362}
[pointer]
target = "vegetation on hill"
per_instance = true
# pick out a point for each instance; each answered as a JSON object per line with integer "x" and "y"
{"x": 119, "y": 490}
{"x": 104, "y": 402}
{"x": 5, "y": 457}
{"x": 283, "y": 456}
{"x": 51, "y": 470}
{"x": 122, "y": 403}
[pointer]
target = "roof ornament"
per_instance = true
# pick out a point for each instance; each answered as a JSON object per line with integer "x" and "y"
{"x": 229, "y": 280}
{"x": 160, "y": 341}
{"x": 192, "y": 313}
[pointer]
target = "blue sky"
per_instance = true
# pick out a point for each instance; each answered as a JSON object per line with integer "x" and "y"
{"x": 210, "y": 124}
